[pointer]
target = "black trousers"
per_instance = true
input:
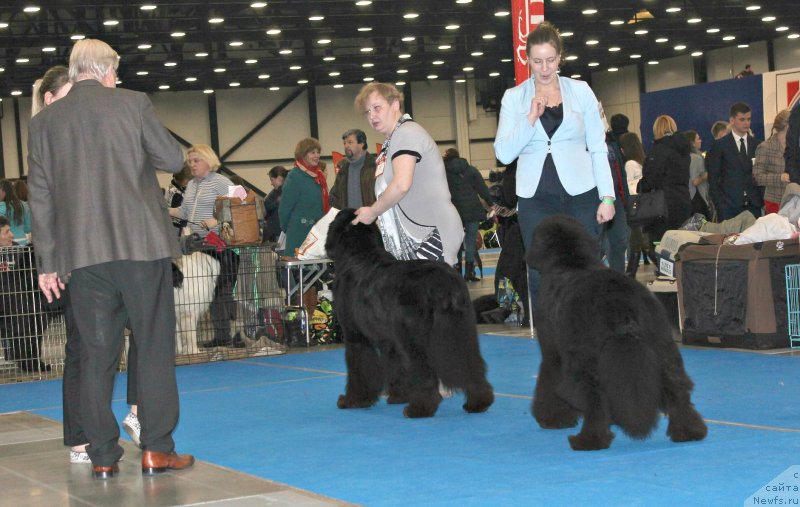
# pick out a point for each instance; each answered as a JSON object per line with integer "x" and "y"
{"x": 223, "y": 307}
{"x": 104, "y": 298}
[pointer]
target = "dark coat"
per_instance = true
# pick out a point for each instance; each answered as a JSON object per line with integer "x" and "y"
{"x": 338, "y": 193}
{"x": 667, "y": 168}
{"x": 792, "y": 153}
{"x": 730, "y": 175}
{"x": 94, "y": 194}
{"x": 466, "y": 184}
{"x": 272, "y": 229}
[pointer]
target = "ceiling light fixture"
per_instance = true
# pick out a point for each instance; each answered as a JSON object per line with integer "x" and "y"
{"x": 142, "y": 73}
{"x": 494, "y": 74}
{"x": 163, "y": 87}
{"x": 148, "y": 7}
{"x": 235, "y": 43}
{"x": 235, "y": 84}
{"x": 452, "y": 27}
{"x": 402, "y": 71}
{"x": 712, "y": 30}
{"x": 191, "y": 79}
{"x": 753, "y": 7}
{"x": 285, "y": 52}
{"x": 334, "y": 74}
{"x": 324, "y": 41}
{"x": 438, "y": 62}
{"x": 445, "y": 47}
{"x": 263, "y": 76}
{"x": 364, "y": 28}
{"x": 111, "y": 22}
{"x": 404, "y": 56}
{"x": 329, "y": 59}
{"x": 614, "y": 49}
{"x": 363, "y": 3}
{"x": 201, "y": 54}
{"x": 367, "y": 50}
{"x": 208, "y": 91}
{"x": 662, "y": 39}
{"x": 31, "y": 9}
{"x": 251, "y": 61}
{"x": 295, "y": 67}
{"x": 767, "y": 19}
{"x": 408, "y": 38}
{"x": 694, "y": 20}
{"x": 593, "y": 64}
{"x": 781, "y": 28}
{"x": 3, "y": 25}
{"x": 640, "y": 32}
{"x": 316, "y": 17}
{"x": 22, "y": 60}
{"x": 219, "y": 70}
{"x": 400, "y": 83}
{"x": 48, "y": 49}
{"x": 476, "y": 53}
{"x": 567, "y": 34}
{"x": 615, "y": 22}
{"x": 216, "y": 21}
{"x": 743, "y": 46}
{"x": 697, "y": 53}
{"x": 613, "y": 69}
{"x": 16, "y": 93}
{"x": 144, "y": 46}
{"x": 338, "y": 85}
{"x": 368, "y": 79}
{"x": 468, "y": 69}
{"x": 367, "y": 65}
{"x": 652, "y": 62}
{"x": 589, "y": 11}
{"x": 592, "y": 42}
{"x": 177, "y": 34}
{"x": 729, "y": 37}
{"x": 302, "y": 81}
{"x": 433, "y": 76}
{"x": 258, "y": 5}
{"x": 635, "y": 56}
{"x": 570, "y": 58}
{"x": 488, "y": 36}
{"x": 793, "y": 36}
{"x": 273, "y": 31}
{"x": 575, "y": 76}
{"x": 410, "y": 15}
{"x": 502, "y": 14}
{"x": 673, "y": 9}
{"x": 680, "y": 47}
{"x": 274, "y": 88}
{"x": 170, "y": 64}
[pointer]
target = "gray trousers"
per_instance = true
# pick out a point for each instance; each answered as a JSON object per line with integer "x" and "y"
{"x": 105, "y": 297}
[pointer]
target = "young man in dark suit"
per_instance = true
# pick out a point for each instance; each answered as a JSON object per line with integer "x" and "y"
{"x": 730, "y": 168}
{"x": 100, "y": 226}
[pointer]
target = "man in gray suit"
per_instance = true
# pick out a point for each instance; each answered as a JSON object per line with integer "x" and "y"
{"x": 99, "y": 225}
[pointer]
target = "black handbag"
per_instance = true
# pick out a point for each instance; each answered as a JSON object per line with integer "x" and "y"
{"x": 647, "y": 208}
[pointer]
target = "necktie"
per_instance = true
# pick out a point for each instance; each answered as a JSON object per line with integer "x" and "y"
{"x": 742, "y": 149}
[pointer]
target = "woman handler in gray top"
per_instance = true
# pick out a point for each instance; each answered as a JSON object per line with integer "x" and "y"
{"x": 413, "y": 209}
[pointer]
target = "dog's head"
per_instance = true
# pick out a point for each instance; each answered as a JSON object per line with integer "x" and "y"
{"x": 560, "y": 241}
{"x": 345, "y": 239}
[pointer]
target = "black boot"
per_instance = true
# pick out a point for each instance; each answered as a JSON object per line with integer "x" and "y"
{"x": 633, "y": 264}
{"x": 469, "y": 272}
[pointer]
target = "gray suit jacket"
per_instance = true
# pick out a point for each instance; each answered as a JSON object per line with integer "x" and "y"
{"x": 94, "y": 195}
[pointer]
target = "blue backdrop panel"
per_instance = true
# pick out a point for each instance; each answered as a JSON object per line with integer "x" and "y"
{"x": 697, "y": 107}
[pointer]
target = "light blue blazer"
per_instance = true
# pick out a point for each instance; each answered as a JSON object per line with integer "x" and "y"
{"x": 578, "y": 146}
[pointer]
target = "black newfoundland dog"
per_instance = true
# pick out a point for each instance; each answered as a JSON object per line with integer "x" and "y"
{"x": 607, "y": 348}
{"x": 407, "y": 325}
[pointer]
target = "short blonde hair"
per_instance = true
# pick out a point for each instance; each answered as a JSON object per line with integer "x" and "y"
{"x": 305, "y": 146}
{"x": 385, "y": 90}
{"x": 781, "y": 121}
{"x": 91, "y": 58}
{"x": 206, "y": 154}
{"x": 663, "y": 126}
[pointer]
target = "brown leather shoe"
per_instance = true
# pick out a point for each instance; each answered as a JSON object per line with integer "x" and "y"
{"x": 154, "y": 462}
{"x": 105, "y": 472}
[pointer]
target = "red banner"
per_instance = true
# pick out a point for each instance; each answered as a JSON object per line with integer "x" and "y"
{"x": 526, "y": 16}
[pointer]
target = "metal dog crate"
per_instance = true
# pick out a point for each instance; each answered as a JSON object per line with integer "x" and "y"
{"x": 793, "y": 303}
{"x": 32, "y": 330}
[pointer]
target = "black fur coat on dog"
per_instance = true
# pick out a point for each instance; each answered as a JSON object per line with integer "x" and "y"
{"x": 406, "y": 324}
{"x": 607, "y": 348}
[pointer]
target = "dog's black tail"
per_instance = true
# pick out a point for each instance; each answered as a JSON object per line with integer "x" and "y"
{"x": 629, "y": 374}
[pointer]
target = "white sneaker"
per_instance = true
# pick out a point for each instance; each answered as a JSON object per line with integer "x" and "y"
{"x": 78, "y": 458}
{"x": 132, "y": 427}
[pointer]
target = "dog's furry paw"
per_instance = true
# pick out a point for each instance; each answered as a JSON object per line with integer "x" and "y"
{"x": 558, "y": 421}
{"x": 346, "y": 401}
{"x": 584, "y": 442}
{"x": 479, "y": 401}
{"x": 686, "y": 430}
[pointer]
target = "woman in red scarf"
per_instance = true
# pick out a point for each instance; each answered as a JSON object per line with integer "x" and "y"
{"x": 305, "y": 195}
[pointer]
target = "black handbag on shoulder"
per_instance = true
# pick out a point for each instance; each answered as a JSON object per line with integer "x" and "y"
{"x": 646, "y": 208}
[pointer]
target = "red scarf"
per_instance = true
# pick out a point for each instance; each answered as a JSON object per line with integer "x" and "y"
{"x": 319, "y": 178}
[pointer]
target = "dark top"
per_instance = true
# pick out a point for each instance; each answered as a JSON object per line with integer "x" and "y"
{"x": 667, "y": 168}
{"x": 466, "y": 184}
{"x": 551, "y": 119}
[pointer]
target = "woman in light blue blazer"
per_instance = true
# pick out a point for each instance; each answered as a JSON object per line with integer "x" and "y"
{"x": 552, "y": 126}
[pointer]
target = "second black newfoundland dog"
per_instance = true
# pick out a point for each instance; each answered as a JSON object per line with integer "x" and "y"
{"x": 407, "y": 325}
{"x": 606, "y": 343}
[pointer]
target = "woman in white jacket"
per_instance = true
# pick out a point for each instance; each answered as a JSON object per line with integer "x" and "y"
{"x": 552, "y": 126}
